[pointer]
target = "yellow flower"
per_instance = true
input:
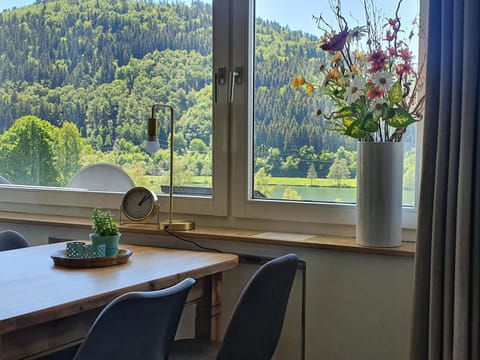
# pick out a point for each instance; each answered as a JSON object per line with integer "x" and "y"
{"x": 359, "y": 56}
{"x": 298, "y": 81}
{"x": 356, "y": 68}
{"x": 309, "y": 89}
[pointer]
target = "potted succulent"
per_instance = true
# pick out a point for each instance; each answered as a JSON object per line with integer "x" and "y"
{"x": 106, "y": 231}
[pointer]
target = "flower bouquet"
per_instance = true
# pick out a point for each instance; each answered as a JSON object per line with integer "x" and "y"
{"x": 368, "y": 75}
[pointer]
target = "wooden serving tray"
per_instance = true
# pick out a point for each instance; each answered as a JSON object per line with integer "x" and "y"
{"x": 60, "y": 259}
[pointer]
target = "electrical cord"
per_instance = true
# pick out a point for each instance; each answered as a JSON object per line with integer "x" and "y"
{"x": 191, "y": 242}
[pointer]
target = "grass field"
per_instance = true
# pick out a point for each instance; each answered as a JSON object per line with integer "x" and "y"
{"x": 325, "y": 190}
{"x": 286, "y": 181}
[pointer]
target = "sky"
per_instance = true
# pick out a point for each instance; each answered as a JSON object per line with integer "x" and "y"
{"x": 300, "y": 18}
{"x": 8, "y": 4}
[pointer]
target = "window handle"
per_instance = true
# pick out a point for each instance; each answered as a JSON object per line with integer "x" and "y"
{"x": 235, "y": 79}
{"x": 219, "y": 80}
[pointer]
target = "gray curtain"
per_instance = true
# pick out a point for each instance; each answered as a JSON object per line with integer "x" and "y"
{"x": 446, "y": 321}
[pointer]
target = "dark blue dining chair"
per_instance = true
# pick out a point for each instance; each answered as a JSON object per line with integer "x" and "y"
{"x": 256, "y": 322}
{"x": 10, "y": 239}
{"x": 136, "y": 325}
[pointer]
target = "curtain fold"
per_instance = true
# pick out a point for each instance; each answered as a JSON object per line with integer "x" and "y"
{"x": 447, "y": 264}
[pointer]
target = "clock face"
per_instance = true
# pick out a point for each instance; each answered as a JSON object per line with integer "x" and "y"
{"x": 139, "y": 204}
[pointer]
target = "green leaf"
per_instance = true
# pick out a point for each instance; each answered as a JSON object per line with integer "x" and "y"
{"x": 369, "y": 124}
{"x": 395, "y": 94}
{"x": 354, "y": 131}
{"x": 344, "y": 112}
{"x": 361, "y": 127}
{"x": 388, "y": 113}
{"x": 400, "y": 119}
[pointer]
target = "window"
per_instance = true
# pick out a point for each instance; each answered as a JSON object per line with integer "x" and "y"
{"x": 244, "y": 137}
{"x": 289, "y": 152}
{"x": 294, "y": 155}
{"x": 87, "y": 99}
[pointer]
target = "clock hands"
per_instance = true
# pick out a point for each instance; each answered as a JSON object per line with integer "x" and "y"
{"x": 146, "y": 196}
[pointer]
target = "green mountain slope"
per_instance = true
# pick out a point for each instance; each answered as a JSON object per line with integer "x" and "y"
{"x": 101, "y": 64}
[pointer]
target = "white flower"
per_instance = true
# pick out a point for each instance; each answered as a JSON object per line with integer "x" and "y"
{"x": 383, "y": 80}
{"x": 356, "y": 33}
{"x": 377, "y": 106}
{"x": 354, "y": 91}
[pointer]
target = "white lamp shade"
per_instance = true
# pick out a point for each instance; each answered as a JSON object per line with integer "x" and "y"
{"x": 152, "y": 147}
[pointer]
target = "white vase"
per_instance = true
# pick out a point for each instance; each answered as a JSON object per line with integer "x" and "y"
{"x": 379, "y": 194}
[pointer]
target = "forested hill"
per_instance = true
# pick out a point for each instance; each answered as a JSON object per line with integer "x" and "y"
{"x": 101, "y": 64}
{"x": 83, "y": 42}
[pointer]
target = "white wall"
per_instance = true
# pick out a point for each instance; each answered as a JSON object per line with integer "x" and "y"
{"x": 358, "y": 306}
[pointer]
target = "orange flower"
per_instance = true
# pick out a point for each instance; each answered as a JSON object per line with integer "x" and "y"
{"x": 336, "y": 57}
{"x": 298, "y": 81}
{"x": 375, "y": 92}
{"x": 333, "y": 74}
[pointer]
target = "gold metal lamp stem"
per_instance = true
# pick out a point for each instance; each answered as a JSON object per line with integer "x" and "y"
{"x": 172, "y": 224}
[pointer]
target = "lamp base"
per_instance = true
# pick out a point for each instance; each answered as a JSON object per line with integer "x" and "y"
{"x": 177, "y": 225}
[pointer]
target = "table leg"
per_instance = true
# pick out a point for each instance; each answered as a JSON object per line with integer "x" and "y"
{"x": 209, "y": 309}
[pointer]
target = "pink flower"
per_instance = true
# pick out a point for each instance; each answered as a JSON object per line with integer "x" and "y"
{"x": 392, "y": 51}
{"x": 390, "y": 36}
{"x": 378, "y": 59}
{"x": 336, "y": 43}
{"x": 394, "y": 23}
{"x": 405, "y": 54}
{"x": 400, "y": 69}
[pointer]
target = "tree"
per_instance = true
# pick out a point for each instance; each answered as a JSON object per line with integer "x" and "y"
{"x": 67, "y": 147}
{"x": 290, "y": 194}
{"x": 197, "y": 145}
{"x": 311, "y": 173}
{"x": 339, "y": 170}
{"x": 27, "y": 153}
{"x": 326, "y": 159}
{"x": 262, "y": 180}
{"x": 289, "y": 166}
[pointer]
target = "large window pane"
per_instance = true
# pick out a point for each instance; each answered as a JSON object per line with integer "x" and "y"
{"x": 78, "y": 79}
{"x": 295, "y": 157}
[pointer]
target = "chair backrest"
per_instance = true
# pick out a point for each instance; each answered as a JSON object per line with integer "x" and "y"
{"x": 136, "y": 325}
{"x": 257, "y": 319}
{"x": 102, "y": 177}
{"x": 10, "y": 239}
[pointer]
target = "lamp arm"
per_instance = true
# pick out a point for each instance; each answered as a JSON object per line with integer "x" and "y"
{"x": 172, "y": 132}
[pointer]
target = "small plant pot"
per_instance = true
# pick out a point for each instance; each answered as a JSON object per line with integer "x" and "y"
{"x": 110, "y": 242}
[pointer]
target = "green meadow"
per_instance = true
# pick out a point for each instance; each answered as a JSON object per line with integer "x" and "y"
{"x": 314, "y": 189}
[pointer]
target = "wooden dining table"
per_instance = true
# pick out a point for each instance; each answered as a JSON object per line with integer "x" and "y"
{"x": 45, "y": 307}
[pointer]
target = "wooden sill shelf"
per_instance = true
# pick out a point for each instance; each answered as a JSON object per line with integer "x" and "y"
{"x": 217, "y": 233}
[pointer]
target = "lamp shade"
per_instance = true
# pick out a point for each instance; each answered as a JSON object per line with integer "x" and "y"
{"x": 152, "y": 147}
